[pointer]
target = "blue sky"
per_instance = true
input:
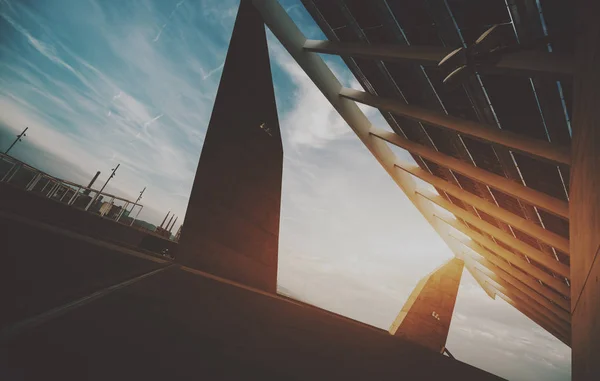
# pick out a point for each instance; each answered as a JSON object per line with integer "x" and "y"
{"x": 133, "y": 82}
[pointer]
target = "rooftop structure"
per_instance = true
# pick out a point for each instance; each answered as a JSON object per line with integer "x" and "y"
{"x": 493, "y": 128}
{"x": 495, "y": 146}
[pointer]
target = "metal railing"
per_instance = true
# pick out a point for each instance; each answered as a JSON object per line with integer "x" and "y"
{"x": 20, "y": 174}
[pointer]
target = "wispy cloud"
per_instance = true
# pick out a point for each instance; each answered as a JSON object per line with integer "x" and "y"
{"x": 213, "y": 71}
{"x": 159, "y": 32}
{"x": 168, "y": 19}
{"x": 148, "y": 123}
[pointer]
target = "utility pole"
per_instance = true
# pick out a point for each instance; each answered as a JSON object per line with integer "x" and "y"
{"x": 18, "y": 139}
{"x": 141, "y": 193}
{"x": 103, "y": 186}
{"x": 138, "y": 199}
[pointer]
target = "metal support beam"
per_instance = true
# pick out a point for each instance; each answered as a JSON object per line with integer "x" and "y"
{"x": 502, "y": 268}
{"x": 511, "y": 257}
{"x": 529, "y": 63}
{"x": 493, "y": 210}
{"x": 539, "y": 319}
{"x": 486, "y": 287}
{"x": 560, "y": 325}
{"x": 422, "y": 55}
{"x": 549, "y": 321}
{"x": 539, "y": 199}
{"x": 559, "y": 309}
{"x": 544, "y": 307}
{"x": 521, "y": 143}
{"x": 500, "y": 235}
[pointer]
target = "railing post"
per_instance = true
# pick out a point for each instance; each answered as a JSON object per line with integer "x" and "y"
{"x": 136, "y": 216}
{"x": 16, "y": 169}
{"x": 122, "y": 210}
{"x": 72, "y": 199}
{"x": 8, "y": 172}
{"x": 45, "y": 185}
{"x": 54, "y": 185}
{"x": 55, "y": 190}
{"x": 34, "y": 182}
{"x": 64, "y": 194}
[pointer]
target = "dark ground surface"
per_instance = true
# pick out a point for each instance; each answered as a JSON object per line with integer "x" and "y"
{"x": 179, "y": 325}
{"x": 41, "y": 270}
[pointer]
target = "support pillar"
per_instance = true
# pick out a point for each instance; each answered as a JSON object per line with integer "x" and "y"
{"x": 232, "y": 222}
{"x": 585, "y": 197}
{"x": 426, "y": 315}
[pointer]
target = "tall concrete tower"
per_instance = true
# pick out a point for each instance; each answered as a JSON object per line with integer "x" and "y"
{"x": 232, "y": 221}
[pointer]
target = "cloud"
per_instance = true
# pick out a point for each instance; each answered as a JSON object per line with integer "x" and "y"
{"x": 153, "y": 120}
{"x": 168, "y": 18}
{"x": 47, "y": 51}
{"x": 312, "y": 121}
{"x": 159, "y": 32}
{"x": 213, "y": 71}
{"x": 293, "y": 7}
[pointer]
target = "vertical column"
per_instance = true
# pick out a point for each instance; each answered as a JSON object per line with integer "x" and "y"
{"x": 426, "y": 315}
{"x": 585, "y": 197}
{"x": 232, "y": 222}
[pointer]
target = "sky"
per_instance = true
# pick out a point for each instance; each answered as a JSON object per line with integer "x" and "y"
{"x": 102, "y": 82}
